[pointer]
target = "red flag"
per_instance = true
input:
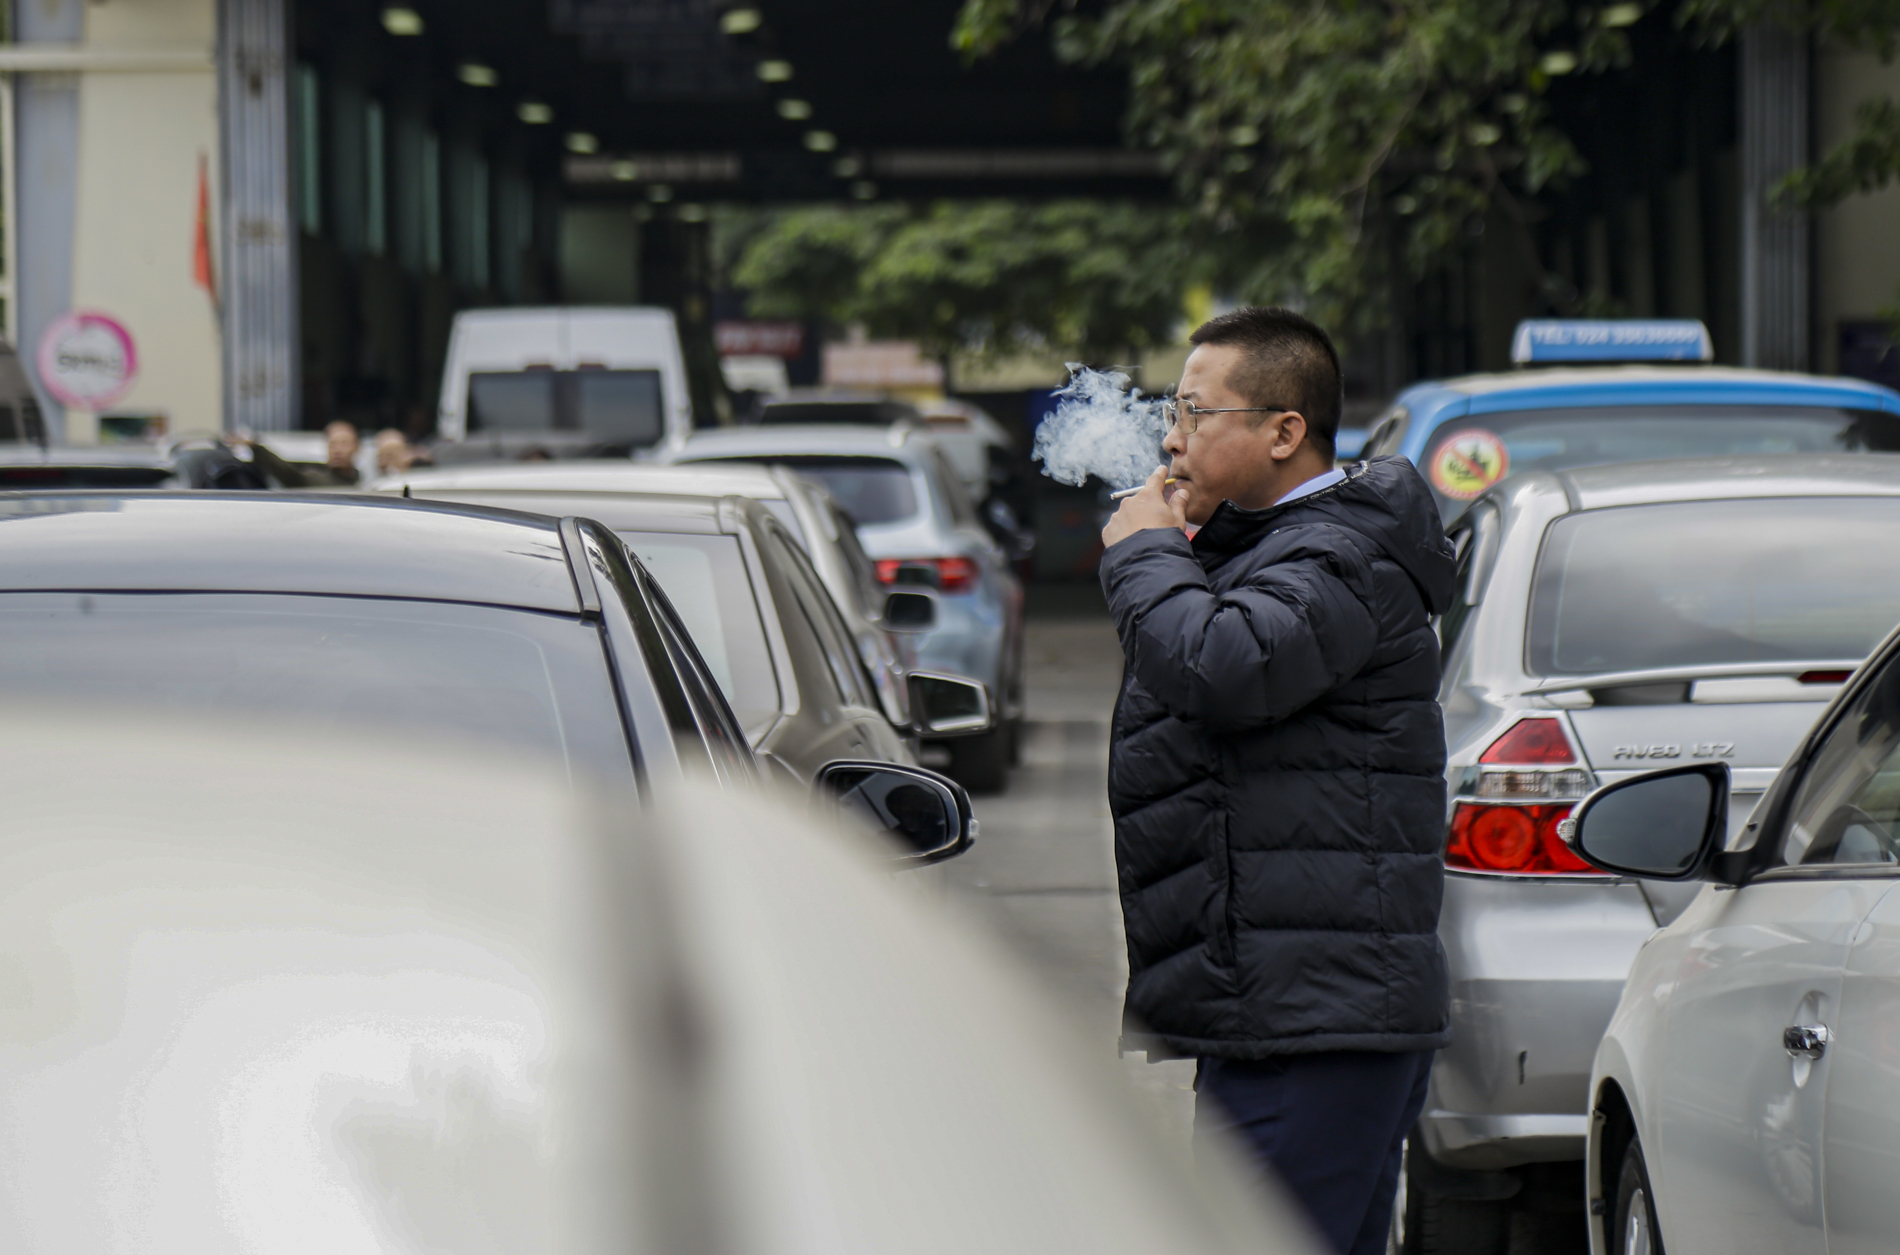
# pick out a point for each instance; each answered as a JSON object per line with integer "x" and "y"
{"x": 201, "y": 272}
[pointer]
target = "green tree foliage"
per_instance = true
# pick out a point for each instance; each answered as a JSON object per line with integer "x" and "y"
{"x": 1090, "y": 278}
{"x": 1866, "y": 161}
{"x": 1354, "y": 132}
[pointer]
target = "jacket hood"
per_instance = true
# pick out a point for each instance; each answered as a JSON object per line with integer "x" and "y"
{"x": 1383, "y": 499}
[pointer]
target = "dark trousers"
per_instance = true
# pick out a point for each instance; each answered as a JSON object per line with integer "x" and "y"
{"x": 1330, "y": 1126}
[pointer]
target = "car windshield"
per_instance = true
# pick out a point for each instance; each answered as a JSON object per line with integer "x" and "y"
{"x": 861, "y": 413}
{"x": 614, "y": 406}
{"x": 1467, "y": 455}
{"x": 871, "y": 490}
{"x": 428, "y": 673}
{"x": 705, "y": 579}
{"x": 1708, "y": 582}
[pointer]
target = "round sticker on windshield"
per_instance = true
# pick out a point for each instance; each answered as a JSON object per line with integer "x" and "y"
{"x": 1468, "y": 463}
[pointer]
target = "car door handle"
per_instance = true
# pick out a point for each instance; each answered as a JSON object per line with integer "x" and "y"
{"x": 1805, "y": 1041}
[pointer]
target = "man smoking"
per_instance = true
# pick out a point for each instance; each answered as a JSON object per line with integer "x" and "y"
{"x": 1276, "y": 770}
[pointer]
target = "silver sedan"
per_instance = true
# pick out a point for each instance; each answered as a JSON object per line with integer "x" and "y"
{"x": 1611, "y": 620}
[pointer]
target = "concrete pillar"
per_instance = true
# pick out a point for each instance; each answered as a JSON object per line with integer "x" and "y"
{"x": 46, "y": 162}
{"x": 261, "y": 342}
{"x": 1776, "y": 244}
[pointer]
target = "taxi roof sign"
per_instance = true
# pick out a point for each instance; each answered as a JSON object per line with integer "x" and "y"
{"x": 1550, "y": 340}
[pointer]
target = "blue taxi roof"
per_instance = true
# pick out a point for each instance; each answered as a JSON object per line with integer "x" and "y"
{"x": 1431, "y": 404}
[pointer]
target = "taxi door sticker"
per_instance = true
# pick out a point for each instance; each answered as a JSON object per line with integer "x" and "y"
{"x": 1468, "y": 463}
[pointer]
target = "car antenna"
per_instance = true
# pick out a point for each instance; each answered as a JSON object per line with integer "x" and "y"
{"x": 405, "y": 492}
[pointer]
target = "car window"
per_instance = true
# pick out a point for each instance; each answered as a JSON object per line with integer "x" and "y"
{"x": 962, "y": 509}
{"x": 620, "y": 406}
{"x": 863, "y": 570}
{"x": 421, "y": 672}
{"x": 871, "y": 490}
{"x": 1467, "y": 455}
{"x": 718, "y": 726}
{"x": 1475, "y": 542}
{"x": 706, "y": 582}
{"x": 617, "y": 406}
{"x": 615, "y": 569}
{"x": 1847, "y": 810}
{"x": 513, "y": 400}
{"x": 814, "y": 603}
{"x": 1708, "y": 582}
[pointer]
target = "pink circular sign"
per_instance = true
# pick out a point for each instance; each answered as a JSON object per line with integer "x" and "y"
{"x": 87, "y": 361}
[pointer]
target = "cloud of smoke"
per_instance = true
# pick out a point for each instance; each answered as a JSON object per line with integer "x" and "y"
{"x": 1101, "y": 427}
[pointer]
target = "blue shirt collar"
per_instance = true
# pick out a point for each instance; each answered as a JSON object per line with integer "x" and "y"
{"x": 1313, "y": 485}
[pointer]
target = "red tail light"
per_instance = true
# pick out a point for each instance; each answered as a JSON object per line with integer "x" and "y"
{"x": 951, "y": 575}
{"x": 1520, "y": 839}
{"x": 1518, "y": 794}
{"x": 1824, "y": 677}
{"x": 1531, "y": 741}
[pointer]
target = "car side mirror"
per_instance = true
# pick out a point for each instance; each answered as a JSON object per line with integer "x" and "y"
{"x": 948, "y": 705}
{"x": 906, "y": 611}
{"x": 1662, "y": 825}
{"x": 926, "y": 814}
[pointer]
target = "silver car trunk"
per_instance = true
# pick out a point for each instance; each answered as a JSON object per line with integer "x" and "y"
{"x": 1639, "y": 738}
{"x": 1629, "y": 723}
{"x": 1753, "y": 738}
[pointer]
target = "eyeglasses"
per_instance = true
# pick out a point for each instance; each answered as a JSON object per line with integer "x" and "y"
{"x": 1187, "y": 415}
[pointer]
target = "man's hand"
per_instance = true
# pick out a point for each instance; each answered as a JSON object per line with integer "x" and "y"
{"x": 1153, "y": 506}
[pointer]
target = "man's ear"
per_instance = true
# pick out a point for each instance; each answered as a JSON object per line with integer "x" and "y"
{"x": 1288, "y": 434}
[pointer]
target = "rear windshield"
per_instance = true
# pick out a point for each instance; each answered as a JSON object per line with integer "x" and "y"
{"x": 614, "y": 406}
{"x": 871, "y": 490}
{"x": 863, "y": 413}
{"x": 1467, "y": 455}
{"x": 428, "y": 673}
{"x": 1708, "y": 582}
{"x": 705, "y": 579}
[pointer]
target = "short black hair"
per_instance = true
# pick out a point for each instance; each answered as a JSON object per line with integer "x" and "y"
{"x": 1287, "y": 360}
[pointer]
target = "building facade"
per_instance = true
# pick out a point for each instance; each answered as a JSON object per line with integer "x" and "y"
{"x": 277, "y": 206}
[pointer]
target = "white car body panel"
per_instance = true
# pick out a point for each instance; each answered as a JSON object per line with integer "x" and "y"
{"x": 1749, "y": 1145}
{"x": 411, "y": 1010}
{"x": 1861, "y": 1127}
{"x": 1736, "y": 1121}
{"x": 1732, "y": 1127}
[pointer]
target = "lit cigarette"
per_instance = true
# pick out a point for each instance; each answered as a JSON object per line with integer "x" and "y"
{"x": 1129, "y": 492}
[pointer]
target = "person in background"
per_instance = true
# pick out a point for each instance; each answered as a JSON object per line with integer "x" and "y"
{"x": 338, "y": 471}
{"x": 1276, "y": 770}
{"x": 394, "y": 453}
{"x": 344, "y": 447}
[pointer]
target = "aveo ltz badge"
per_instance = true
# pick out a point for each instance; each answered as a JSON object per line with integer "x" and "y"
{"x": 1469, "y": 462}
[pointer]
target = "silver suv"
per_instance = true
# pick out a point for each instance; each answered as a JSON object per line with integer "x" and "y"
{"x": 1610, "y": 620}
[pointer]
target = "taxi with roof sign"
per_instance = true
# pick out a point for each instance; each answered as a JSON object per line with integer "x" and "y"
{"x": 1591, "y": 392}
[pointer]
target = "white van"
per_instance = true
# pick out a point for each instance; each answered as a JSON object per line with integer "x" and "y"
{"x": 574, "y": 380}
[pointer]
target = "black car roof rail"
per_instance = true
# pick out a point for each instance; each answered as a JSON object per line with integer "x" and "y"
{"x": 580, "y": 568}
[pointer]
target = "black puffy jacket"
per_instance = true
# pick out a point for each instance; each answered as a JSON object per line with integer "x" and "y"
{"x": 1277, "y": 773}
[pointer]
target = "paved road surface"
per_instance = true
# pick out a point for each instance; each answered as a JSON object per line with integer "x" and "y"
{"x": 1044, "y": 869}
